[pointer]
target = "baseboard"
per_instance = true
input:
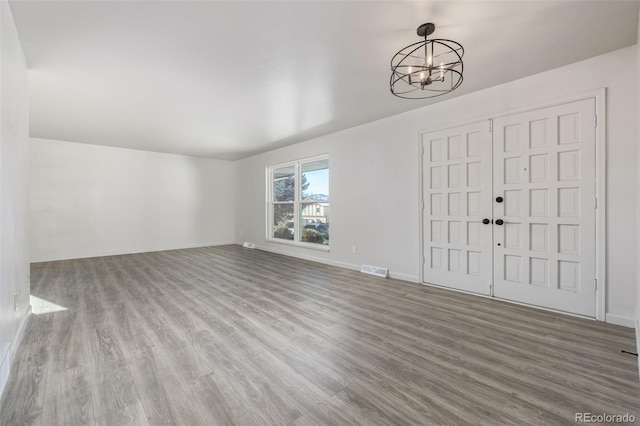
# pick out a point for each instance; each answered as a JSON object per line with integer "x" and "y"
{"x": 620, "y": 320}
{"x": 638, "y": 342}
{"x": 352, "y": 266}
{"x": 404, "y": 277}
{"x": 118, "y": 252}
{"x": 5, "y": 364}
{"x": 305, "y": 256}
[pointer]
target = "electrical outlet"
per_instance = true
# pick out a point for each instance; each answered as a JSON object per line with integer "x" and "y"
{"x": 354, "y": 249}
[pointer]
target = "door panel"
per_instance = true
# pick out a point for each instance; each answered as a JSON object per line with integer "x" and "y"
{"x": 457, "y": 196}
{"x": 544, "y": 168}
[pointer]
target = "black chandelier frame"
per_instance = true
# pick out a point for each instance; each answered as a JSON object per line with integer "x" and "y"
{"x": 410, "y": 80}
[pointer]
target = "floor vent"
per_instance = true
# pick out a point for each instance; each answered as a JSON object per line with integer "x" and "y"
{"x": 374, "y": 270}
{"x": 249, "y": 245}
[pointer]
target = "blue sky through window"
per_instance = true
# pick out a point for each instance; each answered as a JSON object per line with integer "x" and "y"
{"x": 318, "y": 182}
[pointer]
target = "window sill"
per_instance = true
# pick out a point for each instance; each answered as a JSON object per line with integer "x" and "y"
{"x": 319, "y": 247}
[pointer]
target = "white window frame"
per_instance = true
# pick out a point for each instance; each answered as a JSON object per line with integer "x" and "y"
{"x": 297, "y": 203}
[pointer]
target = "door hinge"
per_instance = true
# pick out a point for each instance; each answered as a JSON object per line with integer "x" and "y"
{"x": 595, "y": 124}
{"x": 596, "y": 283}
{"x": 595, "y": 203}
{"x": 424, "y": 260}
{"x": 423, "y": 205}
{"x": 490, "y": 125}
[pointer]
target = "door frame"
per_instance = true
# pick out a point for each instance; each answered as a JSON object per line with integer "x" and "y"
{"x": 599, "y": 95}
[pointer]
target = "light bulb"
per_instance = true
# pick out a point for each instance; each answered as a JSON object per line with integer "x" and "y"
{"x": 422, "y": 76}
{"x": 429, "y": 61}
{"x": 441, "y": 71}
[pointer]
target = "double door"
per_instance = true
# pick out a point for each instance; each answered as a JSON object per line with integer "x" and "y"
{"x": 509, "y": 207}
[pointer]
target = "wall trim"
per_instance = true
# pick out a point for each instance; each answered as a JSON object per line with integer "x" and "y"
{"x": 629, "y": 322}
{"x": 638, "y": 200}
{"x": 404, "y": 277}
{"x": 69, "y": 256}
{"x": 638, "y": 343}
{"x": 599, "y": 96}
{"x": 7, "y": 362}
{"x": 345, "y": 265}
{"x": 277, "y": 250}
{"x": 601, "y": 211}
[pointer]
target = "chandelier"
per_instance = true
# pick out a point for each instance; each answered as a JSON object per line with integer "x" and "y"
{"x": 428, "y": 68}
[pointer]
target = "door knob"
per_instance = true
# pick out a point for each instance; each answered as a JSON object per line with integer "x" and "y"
{"x": 499, "y": 199}
{"x": 499, "y": 221}
{"x": 486, "y": 221}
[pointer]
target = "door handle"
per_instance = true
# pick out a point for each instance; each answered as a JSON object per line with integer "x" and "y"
{"x": 486, "y": 221}
{"x": 499, "y": 199}
{"x": 499, "y": 221}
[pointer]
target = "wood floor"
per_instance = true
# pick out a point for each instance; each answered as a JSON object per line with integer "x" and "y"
{"x": 227, "y": 335}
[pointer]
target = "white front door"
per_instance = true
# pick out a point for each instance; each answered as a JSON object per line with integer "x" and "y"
{"x": 457, "y": 197}
{"x": 533, "y": 178}
{"x": 544, "y": 170}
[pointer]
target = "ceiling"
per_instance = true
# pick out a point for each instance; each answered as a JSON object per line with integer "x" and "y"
{"x": 231, "y": 79}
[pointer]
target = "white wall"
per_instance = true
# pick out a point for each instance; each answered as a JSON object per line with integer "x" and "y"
{"x": 375, "y": 168}
{"x": 14, "y": 208}
{"x": 89, "y": 200}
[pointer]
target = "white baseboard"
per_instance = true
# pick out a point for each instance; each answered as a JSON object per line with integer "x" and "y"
{"x": 352, "y": 266}
{"x": 5, "y": 364}
{"x": 305, "y": 256}
{"x": 620, "y": 320}
{"x": 404, "y": 277}
{"x": 67, "y": 256}
{"x": 638, "y": 342}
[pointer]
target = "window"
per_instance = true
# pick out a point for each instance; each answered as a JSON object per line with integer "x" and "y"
{"x": 298, "y": 202}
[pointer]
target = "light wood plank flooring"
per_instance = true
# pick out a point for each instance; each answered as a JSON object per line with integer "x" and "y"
{"x": 226, "y": 335}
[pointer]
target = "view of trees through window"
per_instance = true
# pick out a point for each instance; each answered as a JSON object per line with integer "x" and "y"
{"x": 299, "y": 204}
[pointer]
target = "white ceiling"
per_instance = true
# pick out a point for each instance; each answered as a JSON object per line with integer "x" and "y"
{"x": 230, "y": 79}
